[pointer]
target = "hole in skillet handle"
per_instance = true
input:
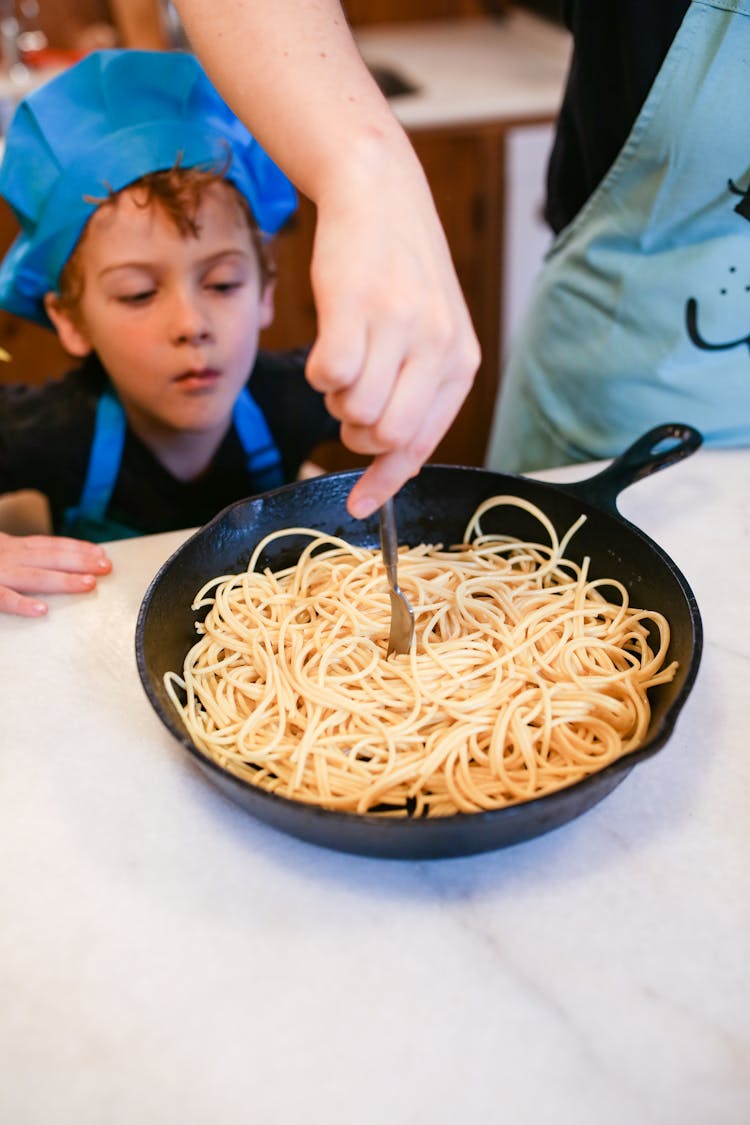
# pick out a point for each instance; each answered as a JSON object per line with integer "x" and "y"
{"x": 658, "y": 449}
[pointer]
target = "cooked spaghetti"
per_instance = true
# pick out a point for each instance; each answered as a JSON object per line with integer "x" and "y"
{"x": 524, "y": 675}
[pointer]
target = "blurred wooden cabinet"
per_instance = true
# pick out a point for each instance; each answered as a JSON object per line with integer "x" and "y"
{"x": 35, "y": 352}
{"x": 465, "y": 169}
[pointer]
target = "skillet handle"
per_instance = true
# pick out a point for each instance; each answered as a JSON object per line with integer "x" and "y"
{"x": 657, "y": 449}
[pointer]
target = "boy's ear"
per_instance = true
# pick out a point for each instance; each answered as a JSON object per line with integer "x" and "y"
{"x": 72, "y": 337}
{"x": 266, "y": 309}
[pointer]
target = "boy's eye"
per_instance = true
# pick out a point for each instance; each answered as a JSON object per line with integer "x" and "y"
{"x": 225, "y": 285}
{"x": 138, "y": 298}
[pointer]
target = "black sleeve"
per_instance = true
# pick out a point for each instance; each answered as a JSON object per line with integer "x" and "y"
{"x": 296, "y": 414}
{"x": 12, "y": 467}
{"x": 45, "y": 437}
{"x": 618, "y": 49}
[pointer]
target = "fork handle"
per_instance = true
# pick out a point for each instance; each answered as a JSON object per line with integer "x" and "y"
{"x": 389, "y": 540}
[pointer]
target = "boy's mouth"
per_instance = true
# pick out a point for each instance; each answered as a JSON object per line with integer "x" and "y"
{"x": 198, "y": 380}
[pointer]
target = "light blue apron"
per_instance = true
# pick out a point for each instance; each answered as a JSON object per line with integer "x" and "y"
{"x": 89, "y": 519}
{"x": 641, "y": 312}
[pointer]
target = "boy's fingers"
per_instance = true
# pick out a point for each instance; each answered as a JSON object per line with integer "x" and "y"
{"x": 53, "y": 553}
{"x": 41, "y": 580}
{"x": 11, "y": 602}
{"x": 44, "y": 564}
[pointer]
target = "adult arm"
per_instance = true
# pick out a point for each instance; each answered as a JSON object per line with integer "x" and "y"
{"x": 396, "y": 352}
{"x": 45, "y": 564}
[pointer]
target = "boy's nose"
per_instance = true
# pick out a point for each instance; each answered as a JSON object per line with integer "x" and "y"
{"x": 190, "y": 325}
{"x": 194, "y": 336}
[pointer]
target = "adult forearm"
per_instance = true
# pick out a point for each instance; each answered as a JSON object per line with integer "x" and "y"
{"x": 291, "y": 71}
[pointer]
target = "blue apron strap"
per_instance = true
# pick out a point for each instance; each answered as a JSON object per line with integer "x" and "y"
{"x": 88, "y": 518}
{"x": 262, "y": 456}
{"x": 104, "y": 459}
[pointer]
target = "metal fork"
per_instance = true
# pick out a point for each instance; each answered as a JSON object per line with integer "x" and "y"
{"x": 402, "y": 615}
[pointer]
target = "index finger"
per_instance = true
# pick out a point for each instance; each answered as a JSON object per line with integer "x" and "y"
{"x": 391, "y": 469}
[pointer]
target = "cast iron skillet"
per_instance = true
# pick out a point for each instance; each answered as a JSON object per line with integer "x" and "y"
{"x": 433, "y": 508}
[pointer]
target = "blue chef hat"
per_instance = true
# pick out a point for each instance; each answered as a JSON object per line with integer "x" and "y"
{"x": 110, "y": 119}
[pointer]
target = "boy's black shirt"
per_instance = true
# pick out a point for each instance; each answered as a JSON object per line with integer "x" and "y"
{"x": 619, "y": 46}
{"x": 46, "y": 434}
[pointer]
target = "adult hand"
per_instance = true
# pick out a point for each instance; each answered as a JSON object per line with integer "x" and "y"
{"x": 396, "y": 352}
{"x": 45, "y": 564}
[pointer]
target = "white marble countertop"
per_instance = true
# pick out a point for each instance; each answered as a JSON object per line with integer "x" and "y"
{"x": 166, "y": 959}
{"x": 509, "y": 68}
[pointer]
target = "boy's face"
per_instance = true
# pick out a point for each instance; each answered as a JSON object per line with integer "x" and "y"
{"x": 174, "y": 320}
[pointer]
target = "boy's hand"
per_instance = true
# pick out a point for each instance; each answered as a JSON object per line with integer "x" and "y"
{"x": 45, "y": 564}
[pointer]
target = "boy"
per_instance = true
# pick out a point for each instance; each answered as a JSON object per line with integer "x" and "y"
{"x": 142, "y": 200}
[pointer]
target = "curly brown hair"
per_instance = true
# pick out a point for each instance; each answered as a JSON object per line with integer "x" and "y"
{"x": 179, "y": 192}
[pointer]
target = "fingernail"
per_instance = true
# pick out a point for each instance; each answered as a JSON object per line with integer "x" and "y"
{"x": 88, "y": 580}
{"x": 362, "y": 507}
{"x": 38, "y": 609}
{"x": 104, "y": 563}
